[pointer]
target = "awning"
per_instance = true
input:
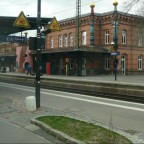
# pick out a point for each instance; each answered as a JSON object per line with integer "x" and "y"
{"x": 82, "y": 49}
{"x": 6, "y": 24}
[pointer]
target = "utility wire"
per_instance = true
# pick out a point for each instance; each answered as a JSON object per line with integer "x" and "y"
{"x": 71, "y": 8}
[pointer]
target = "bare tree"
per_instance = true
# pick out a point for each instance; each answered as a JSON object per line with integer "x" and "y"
{"x": 138, "y": 5}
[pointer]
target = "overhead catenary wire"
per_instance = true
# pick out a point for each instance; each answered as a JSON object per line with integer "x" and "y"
{"x": 72, "y": 7}
{"x": 58, "y": 12}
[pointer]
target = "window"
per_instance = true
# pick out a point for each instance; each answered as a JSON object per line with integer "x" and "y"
{"x": 60, "y": 40}
{"x": 106, "y": 63}
{"x": 71, "y": 39}
{"x": 140, "y": 62}
{"x": 51, "y": 42}
{"x": 65, "y": 40}
{"x": 139, "y": 39}
{"x": 106, "y": 36}
{"x": 83, "y": 38}
{"x": 124, "y": 32}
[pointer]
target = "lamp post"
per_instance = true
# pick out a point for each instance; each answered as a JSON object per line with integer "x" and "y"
{"x": 115, "y": 37}
{"x": 38, "y": 55}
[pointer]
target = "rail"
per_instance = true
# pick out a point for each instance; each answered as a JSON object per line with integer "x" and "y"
{"x": 122, "y": 92}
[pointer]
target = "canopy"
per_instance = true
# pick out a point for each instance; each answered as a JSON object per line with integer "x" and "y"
{"x": 6, "y": 24}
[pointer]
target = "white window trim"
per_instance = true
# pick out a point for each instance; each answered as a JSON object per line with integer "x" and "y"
{"x": 140, "y": 37}
{"x": 107, "y": 35}
{"x": 51, "y": 42}
{"x": 84, "y": 38}
{"x": 124, "y": 34}
{"x": 140, "y": 62}
{"x": 71, "y": 39}
{"x": 65, "y": 40}
{"x": 60, "y": 40}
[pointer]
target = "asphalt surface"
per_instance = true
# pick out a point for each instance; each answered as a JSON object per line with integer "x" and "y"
{"x": 125, "y": 79}
{"x": 13, "y": 110}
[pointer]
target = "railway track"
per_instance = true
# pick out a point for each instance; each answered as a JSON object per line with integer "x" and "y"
{"x": 75, "y": 89}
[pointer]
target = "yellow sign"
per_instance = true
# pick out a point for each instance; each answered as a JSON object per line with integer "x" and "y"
{"x": 54, "y": 26}
{"x": 21, "y": 21}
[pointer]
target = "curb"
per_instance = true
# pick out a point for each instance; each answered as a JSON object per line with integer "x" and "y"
{"x": 135, "y": 138}
{"x": 59, "y": 135}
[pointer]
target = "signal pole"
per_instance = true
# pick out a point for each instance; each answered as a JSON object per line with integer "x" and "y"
{"x": 38, "y": 55}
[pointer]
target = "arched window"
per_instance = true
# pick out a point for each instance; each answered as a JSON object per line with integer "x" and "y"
{"x": 71, "y": 39}
{"x": 51, "y": 42}
{"x": 124, "y": 33}
{"x": 65, "y": 40}
{"x": 107, "y": 37}
{"x": 84, "y": 38}
{"x": 139, "y": 39}
{"x": 60, "y": 40}
{"x": 140, "y": 62}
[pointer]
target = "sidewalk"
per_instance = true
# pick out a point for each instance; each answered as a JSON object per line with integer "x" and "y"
{"x": 13, "y": 110}
{"x": 124, "y": 79}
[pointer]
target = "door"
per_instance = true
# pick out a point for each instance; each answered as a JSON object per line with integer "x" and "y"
{"x": 123, "y": 65}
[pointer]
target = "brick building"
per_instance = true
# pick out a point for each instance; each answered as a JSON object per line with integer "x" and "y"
{"x": 8, "y": 55}
{"x": 93, "y": 56}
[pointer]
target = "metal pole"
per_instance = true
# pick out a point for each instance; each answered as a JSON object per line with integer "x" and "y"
{"x": 115, "y": 36}
{"x": 115, "y": 41}
{"x": 38, "y": 55}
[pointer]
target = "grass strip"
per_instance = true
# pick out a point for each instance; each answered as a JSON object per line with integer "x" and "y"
{"x": 83, "y": 131}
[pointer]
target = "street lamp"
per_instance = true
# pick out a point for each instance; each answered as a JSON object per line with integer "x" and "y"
{"x": 115, "y": 37}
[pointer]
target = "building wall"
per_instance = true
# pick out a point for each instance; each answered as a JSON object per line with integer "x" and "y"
{"x": 8, "y": 55}
{"x": 23, "y": 58}
{"x": 131, "y": 23}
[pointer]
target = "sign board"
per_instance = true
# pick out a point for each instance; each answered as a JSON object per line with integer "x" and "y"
{"x": 33, "y": 43}
{"x": 21, "y": 21}
{"x": 14, "y": 39}
{"x": 115, "y": 53}
{"x": 54, "y": 26}
{"x": 67, "y": 60}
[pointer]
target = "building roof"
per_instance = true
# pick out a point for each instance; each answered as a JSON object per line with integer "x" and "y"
{"x": 6, "y": 24}
{"x": 104, "y": 14}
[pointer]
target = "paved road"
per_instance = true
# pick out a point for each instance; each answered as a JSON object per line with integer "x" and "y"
{"x": 10, "y": 133}
{"x": 128, "y": 116}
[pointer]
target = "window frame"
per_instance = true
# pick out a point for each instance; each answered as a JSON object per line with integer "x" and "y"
{"x": 107, "y": 36}
{"x": 140, "y": 62}
{"x": 124, "y": 36}
{"x": 140, "y": 39}
{"x": 60, "y": 40}
{"x": 65, "y": 40}
{"x": 84, "y": 36}
{"x": 71, "y": 39}
{"x": 51, "y": 42}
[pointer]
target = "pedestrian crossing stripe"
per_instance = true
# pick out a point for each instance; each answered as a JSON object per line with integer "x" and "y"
{"x": 54, "y": 26}
{"x": 21, "y": 21}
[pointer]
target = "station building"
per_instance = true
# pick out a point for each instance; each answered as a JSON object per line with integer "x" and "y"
{"x": 94, "y": 55}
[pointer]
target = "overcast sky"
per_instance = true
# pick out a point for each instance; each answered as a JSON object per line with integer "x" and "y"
{"x": 49, "y": 8}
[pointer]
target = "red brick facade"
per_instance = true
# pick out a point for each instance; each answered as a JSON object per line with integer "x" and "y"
{"x": 93, "y": 59}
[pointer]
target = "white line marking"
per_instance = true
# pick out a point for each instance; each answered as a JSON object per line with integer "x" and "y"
{"x": 86, "y": 100}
